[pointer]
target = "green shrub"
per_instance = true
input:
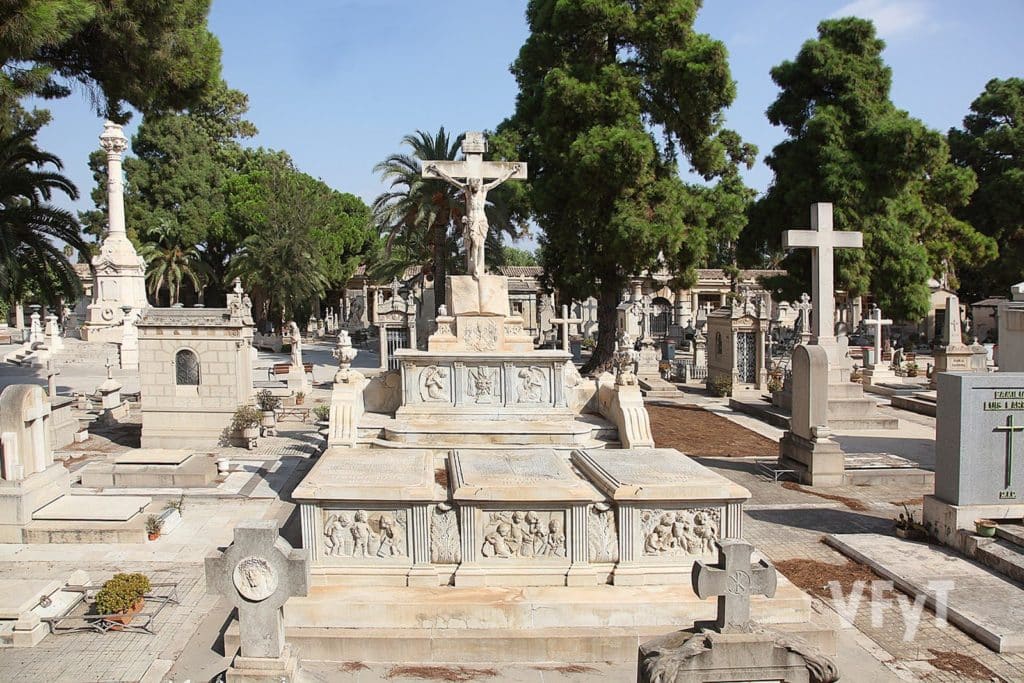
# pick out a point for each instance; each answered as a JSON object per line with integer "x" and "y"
{"x": 322, "y": 412}
{"x": 245, "y": 417}
{"x": 720, "y": 385}
{"x": 589, "y": 343}
{"x": 121, "y": 592}
{"x": 267, "y": 401}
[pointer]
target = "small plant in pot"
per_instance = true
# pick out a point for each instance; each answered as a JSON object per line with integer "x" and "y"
{"x": 154, "y": 525}
{"x": 268, "y": 403}
{"x": 122, "y": 597}
{"x": 322, "y": 411}
{"x": 910, "y": 369}
{"x": 246, "y": 422}
{"x": 909, "y": 528}
{"x": 720, "y": 386}
{"x": 300, "y": 397}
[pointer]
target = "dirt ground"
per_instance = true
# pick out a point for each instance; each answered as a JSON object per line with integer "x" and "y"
{"x": 697, "y": 432}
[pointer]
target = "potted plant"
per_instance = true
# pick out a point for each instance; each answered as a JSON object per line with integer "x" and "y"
{"x": 153, "y": 527}
{"x": 909, "y": 528}
{"x": 246, "y": 422}
{"x": 122, "y": 597}
{"x": 910, "y": 369}
{"x": 985, "y": 527}
{"x": 720, "y": 386}
{"x": 268, "y": 403}
{"x": 322, "y": 411}
{"x": 300, "y": 397}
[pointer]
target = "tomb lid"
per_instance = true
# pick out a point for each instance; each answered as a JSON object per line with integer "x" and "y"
{"x": 154, "y": 456}
{"x": 18, "y": 596}
{"x": 363, "y": 474}
{"x": 532, "y": 475}
{"x": 644, "y": 474}
{"x": 188, "y": 317}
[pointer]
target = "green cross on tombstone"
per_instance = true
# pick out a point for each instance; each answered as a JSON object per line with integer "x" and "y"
{"x": 1009, "y": 428}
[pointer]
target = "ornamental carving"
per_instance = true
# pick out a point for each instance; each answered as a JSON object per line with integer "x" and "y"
{"x": 531, "y": 383}
{"x": 483, "y": 384}
{"x": 254, "y": 578}
{"x": 482, "y": 335}
{"x": 444, "y": 536}
{"x": 434, "y": 383}
{"x": 602, "y": 537}
{"x": 360, "y": 534}
{"x": 672, "y": 533}
{"x": 524, "y": 534}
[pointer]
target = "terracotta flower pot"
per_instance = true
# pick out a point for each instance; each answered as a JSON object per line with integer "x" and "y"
{"x": 125, "y": 618}
{"x": 153, "y": 537}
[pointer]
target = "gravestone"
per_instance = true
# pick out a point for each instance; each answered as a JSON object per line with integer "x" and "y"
{"x": 807, "y": 446}
{"x": 953, "y": 355}
{"x": 257, "y": 573}
{"x": 877, "y": 371}
{"x": 1011, "y": 331}
{"x": 733, "y": 648}
{"x": 979, "y": 452}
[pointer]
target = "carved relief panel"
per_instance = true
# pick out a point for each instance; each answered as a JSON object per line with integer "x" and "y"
{"x": 531, "y": 384}
{"x": 435, "y": 384}
{"x": 365, "y": 535}
{"x": 521, "y": 534}
{"x": 483, "y": 384}
{"x": 602, "y": 534}
{"x": 681, "y": 532}
{"x": 444, "y": 535}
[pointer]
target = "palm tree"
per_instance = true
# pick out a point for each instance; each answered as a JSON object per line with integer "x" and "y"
{"x": 169, "y": 263}
{"x": 29, "y": 224}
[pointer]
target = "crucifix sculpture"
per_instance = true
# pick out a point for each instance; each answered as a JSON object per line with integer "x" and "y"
{"x": 822, "y": 240}
{"x": 1009, "y": 428}
{"x": 733, "y": 580}
{"x": 564, "y": 322}
{"x": 475, "y": 172}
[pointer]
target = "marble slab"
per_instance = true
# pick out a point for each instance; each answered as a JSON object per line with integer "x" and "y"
{"x": 532, "y": 475}
{"x": 654, "y": 474}
{"x": 93, "y": 508}
{"x": 154, "y": 456}
{"x": 18, "y": 596}
{"x": 369, "y": 475}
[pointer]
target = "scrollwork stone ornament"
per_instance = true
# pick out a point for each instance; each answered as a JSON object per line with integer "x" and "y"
{"x": 482, "y": 335}
{"x": 444, "y": 535}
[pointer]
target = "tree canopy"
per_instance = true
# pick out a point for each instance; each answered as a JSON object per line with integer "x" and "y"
{"x": 610, "y": 95}
{"x": 991, "y": 144}
{"x": 885, "y": 172}
{"x": 150, "y": 55}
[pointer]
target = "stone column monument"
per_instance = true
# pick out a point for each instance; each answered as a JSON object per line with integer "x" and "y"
{"x": 258, "y": 572}
{"x": 120, "y": 271}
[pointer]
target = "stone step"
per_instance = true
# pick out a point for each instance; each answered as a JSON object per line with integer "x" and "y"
{"x": 845, "y": 390}
{"x": 855, "y": 423}
{"x": 846, "y": 408}
{"x": 762, "y": 410}
{"x": 1005, "y": 557}
{"x": 457, "y": 433}
{"x": 914, "y": 404}
{"x": 1012, "y": 533}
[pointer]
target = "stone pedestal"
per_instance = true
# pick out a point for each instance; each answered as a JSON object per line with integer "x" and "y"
{"x": 819, "y": 461}
{"x": 264, "y": 669}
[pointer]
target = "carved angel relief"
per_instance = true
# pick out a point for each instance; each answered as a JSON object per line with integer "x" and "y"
{"x": 524, "y": 534}
{"x": 361, "y": 534}
{"x": 669, "y": 533}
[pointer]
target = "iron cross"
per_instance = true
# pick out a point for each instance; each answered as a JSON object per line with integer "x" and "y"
{"x": 1009, "y": 428}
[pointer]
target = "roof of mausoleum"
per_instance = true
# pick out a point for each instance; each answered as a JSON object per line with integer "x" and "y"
{"x": 188, "y": 317}
{"x": 520, "y": 271}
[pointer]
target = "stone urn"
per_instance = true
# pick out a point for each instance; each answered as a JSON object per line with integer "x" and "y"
{"x": 268, "y": 421}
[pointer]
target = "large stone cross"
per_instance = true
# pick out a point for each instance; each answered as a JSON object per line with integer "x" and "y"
{"x": 877, "y": 321}
{"x": 1009, "y": 429}
{"x": 565, "y": 321}
{"x": 475, "y": 172}
{"x": 822, "y": 240}
{"x": 733, "y": 580}
{"x": 258, "y": 572}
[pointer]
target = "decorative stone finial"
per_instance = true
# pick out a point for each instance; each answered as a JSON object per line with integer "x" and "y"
{"x": 112, "y": 140}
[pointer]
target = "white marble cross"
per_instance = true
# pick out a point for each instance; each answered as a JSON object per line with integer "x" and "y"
{"x": 258, "y": 572}
{"x": 476, "y": 172}
{"x": 822, "y": 240}
{"x": 733, "y": 580}
{"x": 877, "y": 321}
{"x": 565, "y": 321}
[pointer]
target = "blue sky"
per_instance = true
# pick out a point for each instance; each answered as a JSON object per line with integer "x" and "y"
{"x": 337, "y": 83}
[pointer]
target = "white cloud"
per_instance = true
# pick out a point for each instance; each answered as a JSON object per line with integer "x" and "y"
{"x": 891, "y": 17}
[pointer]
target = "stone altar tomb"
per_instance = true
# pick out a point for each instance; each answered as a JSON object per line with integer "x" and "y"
{"x": 152, "y": 468}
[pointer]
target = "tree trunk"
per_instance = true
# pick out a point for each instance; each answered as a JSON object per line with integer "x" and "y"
{"x": 607, "y": 322}
{"x": 440, "y": 264}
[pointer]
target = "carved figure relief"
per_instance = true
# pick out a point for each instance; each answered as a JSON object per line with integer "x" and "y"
{"x": 482, "y": 335}
{"x": 670, "y": 533}
{"x": 361, "y": 534}
{"x": 434, "y": 383}
{"x": 254, "y": 578}
{"x": 482, "y": 384}
{"x": 603, "y": 537}
{"x": 524, "y": 534}
{"x": 444, "y": 535}
{"x": 531, "y": 385}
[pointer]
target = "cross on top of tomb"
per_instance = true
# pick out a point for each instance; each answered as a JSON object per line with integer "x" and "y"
{"x": 733, "y": 580}
{"x": 258, "y": 572}
{"x": 877, "y": 321}
{"x": 565, "y": 321}
{"x": 475, "y": 172}
{"x": 822, "y": 240}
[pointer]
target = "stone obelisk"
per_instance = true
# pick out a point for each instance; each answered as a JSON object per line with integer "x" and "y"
{"x": 119, "y": 270}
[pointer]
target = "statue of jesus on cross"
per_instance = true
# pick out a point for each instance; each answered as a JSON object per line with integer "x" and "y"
{"x": 475, "y": 171}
